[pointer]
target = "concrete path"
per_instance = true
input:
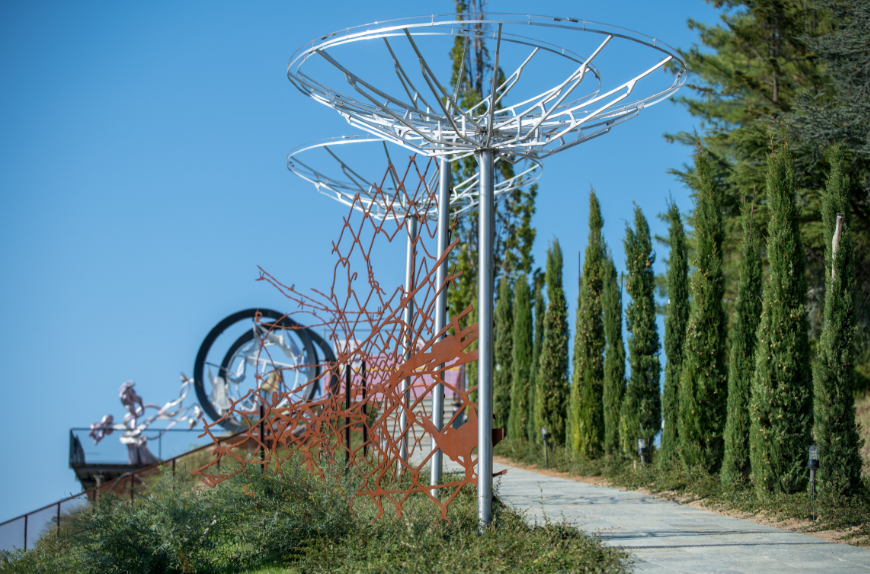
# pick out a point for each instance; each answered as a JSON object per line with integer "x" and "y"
{"x": 668, "y": 537}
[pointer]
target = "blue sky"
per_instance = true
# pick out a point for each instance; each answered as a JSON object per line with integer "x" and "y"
{"x": 142, "y": 181}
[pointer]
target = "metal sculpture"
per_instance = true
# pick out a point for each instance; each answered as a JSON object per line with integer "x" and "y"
{"x": 259, "y": 348}
{"x": 507, "y": 122}
{"x": 357, "y": 186}
{"x": 357, "y": 183}
{"x": 387, "y": 362}
{"x": 133, "y": 435}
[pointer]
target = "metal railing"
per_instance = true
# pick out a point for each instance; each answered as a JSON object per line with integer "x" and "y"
{"x": 26, "y": 530}
{"x": 162, "y": 444}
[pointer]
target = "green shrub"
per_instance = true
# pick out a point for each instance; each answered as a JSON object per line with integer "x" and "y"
{"x": 294, "y": 521}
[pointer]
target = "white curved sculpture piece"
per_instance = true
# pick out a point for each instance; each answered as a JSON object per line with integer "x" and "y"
{"x": 347, "y": 179}
{"x": 133, "y": 429}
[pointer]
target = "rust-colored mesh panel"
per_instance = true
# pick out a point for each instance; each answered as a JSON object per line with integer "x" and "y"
{"x": 384, "y": 375}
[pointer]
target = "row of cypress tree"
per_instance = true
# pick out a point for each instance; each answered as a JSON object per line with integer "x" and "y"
{"x": 751, "y": 411}
{"x": 532, "y": 388}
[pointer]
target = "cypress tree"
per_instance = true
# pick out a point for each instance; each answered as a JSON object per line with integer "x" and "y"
{"x": 675, "y": 331}
{"x": 781, "y": 405}
{"x": 521, "y": 362}
{"x": 641, "y": 411}
{"x": 503, "y": 354}
{"x": 614, "y": 358}
{"x": 551, "y": 400}
{"x": 532, "y": 428}
{"x": 747, "y": 314}
{"x": 586, "y": 410}
{"x": 834, "y": 405}
{"x": 703, "y": 392}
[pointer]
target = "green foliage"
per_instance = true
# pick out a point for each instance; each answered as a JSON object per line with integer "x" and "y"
{"x": 833, "y": 373}
{"x": 840, "y": 113}
{"x": 162, "y": 531}
{"x": 503, "y": 351}
{"x": 748, "y": 69}
{"x": 675, "y": 331}
{"x": 703, "y": 382}
{"x": 521, "y": 362}
{"x": 551, "y": 386}
{"x": 614, "y": 358}
{"x": 532, "y": 428}
{"x": 586, "y": 408}
{"x": 741, "y": 366}
{"x": 640, "y": 414}
{"x": 781, "y": 405}
{"x": 299, "y": 523}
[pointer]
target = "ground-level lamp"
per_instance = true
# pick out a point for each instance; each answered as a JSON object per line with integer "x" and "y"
{"x": 813, "y": 465}
{"x": 642, "y": 450}
{"x": 544, "y": 436}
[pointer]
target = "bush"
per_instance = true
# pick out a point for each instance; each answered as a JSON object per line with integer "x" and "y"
{"x": 263, "y": 523}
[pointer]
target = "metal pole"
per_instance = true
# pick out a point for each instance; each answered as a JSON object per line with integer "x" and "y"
{"x": 409, "y": 336}
{"x": 485, "y": 341}
{"x": 365, "y": 412}
{"x": 347, "y": 416}
{"x": 262, "y": 439}
{"x": 440, "y": 308}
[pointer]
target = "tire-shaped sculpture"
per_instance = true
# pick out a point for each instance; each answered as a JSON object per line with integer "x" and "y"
{"x": 305, "y": 335}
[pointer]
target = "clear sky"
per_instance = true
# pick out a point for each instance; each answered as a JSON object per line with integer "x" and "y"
{"x": 142, "y": 181}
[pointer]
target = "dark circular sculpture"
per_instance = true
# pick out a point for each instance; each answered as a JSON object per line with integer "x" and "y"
{"x": 246, "y": 350}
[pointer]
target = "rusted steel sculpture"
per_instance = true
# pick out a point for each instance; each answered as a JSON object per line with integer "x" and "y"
{"x": 387, "y": 363}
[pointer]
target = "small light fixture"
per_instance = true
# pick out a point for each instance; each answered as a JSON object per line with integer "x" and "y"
{"x": 544, "y": 436}
{"x": 813, "y": 465}
{"x": 641, "y": 450}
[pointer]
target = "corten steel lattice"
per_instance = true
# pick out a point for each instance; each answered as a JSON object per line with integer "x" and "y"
{"x": 371, "y": 416}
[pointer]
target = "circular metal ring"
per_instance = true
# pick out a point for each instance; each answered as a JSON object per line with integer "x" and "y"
{"x": 279, "y": 320}
{"x": 372, "y": 191}
{"x": 436, "y": 125}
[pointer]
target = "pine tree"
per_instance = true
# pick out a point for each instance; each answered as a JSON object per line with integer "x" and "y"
{"x": 781, "y": 404}
{"x": 614, "y": 358}
{"x": 551, "y": 400}
{"x": 675, "y": 331}
{"x": 834, "y": 405}
{"x": 747, "y": 314}
{"x": 641, "y": 411}
{"x": 521, "y": 362}
{"x": 703, "y": 392}
{"x": 503, "y": 354}
{"x": 748, "y": 68}
{"x": 586, "y": 410}
{"x": 532, "y": 429}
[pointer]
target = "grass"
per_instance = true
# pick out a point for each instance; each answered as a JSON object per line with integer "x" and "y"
{"x": 850, "y": 517}
{"x": 259, "y": 523}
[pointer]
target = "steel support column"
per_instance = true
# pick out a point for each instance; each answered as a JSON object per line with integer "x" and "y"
{"x": 486, "y": 230}
{"x": 409, "y": 332}
{"x": 440, "y": 308}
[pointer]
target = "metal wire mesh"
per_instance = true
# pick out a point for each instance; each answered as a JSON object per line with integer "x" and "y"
{"x": 13, "y": 534}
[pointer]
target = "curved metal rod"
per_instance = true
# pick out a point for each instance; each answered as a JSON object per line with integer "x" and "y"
{"x": 463, "y": 199}
{"x": 533, "y": 128}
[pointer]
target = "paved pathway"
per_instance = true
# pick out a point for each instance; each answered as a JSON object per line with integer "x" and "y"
{"x": 665, "y": 536}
